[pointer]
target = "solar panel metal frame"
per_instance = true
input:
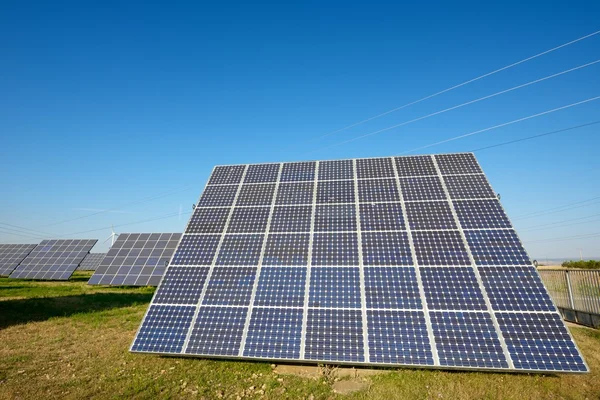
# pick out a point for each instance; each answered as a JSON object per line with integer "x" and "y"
{"x": 365, "y": 322}
{"x": 91, "y": 262}
{"x": 109, "y": 262}
{"x": 9, "y": 260}
{"x": 34, "y": 266}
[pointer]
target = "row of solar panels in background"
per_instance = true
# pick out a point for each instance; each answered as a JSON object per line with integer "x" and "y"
{"x": 53, "y": 259}
{"x": 91, "y": 262}
{"x": 136, "y": 259}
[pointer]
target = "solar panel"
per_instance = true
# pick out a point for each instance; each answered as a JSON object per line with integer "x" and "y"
{"x": 91, "y": 262}
{"x": 140, "y": 259}
{"x": 11, "y": 255}
{"x": 398, "y": 261}
{"x": 53, "y": 259}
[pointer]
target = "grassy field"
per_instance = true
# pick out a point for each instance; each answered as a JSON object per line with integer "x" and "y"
{"x": 68, "y": 340}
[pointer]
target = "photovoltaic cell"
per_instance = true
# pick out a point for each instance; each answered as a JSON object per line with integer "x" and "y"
{"x": 11, "y": 255}
{"x": 398, "y": 337}
{"x": 481, "y": 214}
{"x": 498, "y": 247}
{"x": 517, "y": 288}
{"x": 91, "y": 262}
{"x": 53, "y": 259}
{"x": 140, "y": 259}
{"x": 453, "y": 164}
{"x": 386, "y": 261}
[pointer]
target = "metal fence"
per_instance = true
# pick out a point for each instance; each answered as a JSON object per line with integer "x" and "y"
{"x": 576, "y": 294}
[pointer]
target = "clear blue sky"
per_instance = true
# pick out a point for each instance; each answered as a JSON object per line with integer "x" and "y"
{"x": 104, "y": 105}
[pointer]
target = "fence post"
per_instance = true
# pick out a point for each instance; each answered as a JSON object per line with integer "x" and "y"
{"x": 570, "y": 290}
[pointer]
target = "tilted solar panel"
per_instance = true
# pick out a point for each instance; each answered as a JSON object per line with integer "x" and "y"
{"x": 388, "y": 261}
{"x": 54, "y": 259}
{"x": 11, "y": 255}
{"x": 137, "y": 259}
{"x": 91, "y": 262}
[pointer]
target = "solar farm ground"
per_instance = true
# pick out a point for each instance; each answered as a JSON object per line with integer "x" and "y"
{"x": 70, "y": 340}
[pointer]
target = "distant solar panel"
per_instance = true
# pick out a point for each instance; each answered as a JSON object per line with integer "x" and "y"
{"x": 11, "y": 255}
{"x": 91, "y": 262}
{"x": 53, "y": 259}
{"x": 140, "y": 259}
{"x": 388, "y": 261}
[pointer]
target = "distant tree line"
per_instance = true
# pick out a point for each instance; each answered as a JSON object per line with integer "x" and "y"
{"x": 589, "y": 264}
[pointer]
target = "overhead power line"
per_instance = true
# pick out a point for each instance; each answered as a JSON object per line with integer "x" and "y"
{"x": 461, "y": 84}
{"x": 535, "y": 136}
{"x": 560, "y": 239}
{"x": 501, "y": 125}
{"x": 561, "y": 224}
{"x": 564, "y": 207}
{"x": 460, "y": 105}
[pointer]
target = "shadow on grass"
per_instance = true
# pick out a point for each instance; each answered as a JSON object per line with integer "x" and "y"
{"x": 22, "y": 311}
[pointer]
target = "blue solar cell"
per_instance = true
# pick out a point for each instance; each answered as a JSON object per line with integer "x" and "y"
{"x": 335, "y": 192}
{"x": 377, "y": 190}
{"x": 11, "y": 255}
{"x": 256, "y": 195}
{"x": 515, "y": 289}
{"x": 334, "y": 287}
{"x": 422, "y": 188}
{"x": 335, "y": 249}
{"x": 217, "y": 331}
{"x": 430, "y": 215}
{"x": 501, "y": 247}
{"x": 374, "y": 168}
{"x": 182, "y": 285}
{"x": 335, "y": 170}
{"x": 240, "y": 250}
{"x": 415, "y": 166}
{"x": 249, "y": 220}
{"x": 258, "y": 173}
{"x": 398, "y": 337}
{"x": 299, "y": 171}
{"x": 286, "y": 249}
{"x": 218, "y": 196}
{"x": 295, "y": 193}
{"x": 387, "y": 287}
{"x": 164, "y": 329}
{"x": 440, "y": 248}
{"x": 208, "y": 220}
{"x": 281, "y": 287}
{"x": 381, "y": 217}
{"x": 196, "y": 250}
{"x": 539, "y": 342}
{"x": 386, "y": 248}
{"x": 334, "y": 335}
{"x": 468, "y": 187}
{"x": 481, "y": 214}
{"x": 291, "y": 219}
{"x": 463, "y": 163}
{"x": 230, "y": 286}
{"x": 452, "y": 289}
{"x": 467, "y": 339}
{"x": 227, "y": 174}
{"x": 274, "y": 333}
{"x": 338, "y": 217}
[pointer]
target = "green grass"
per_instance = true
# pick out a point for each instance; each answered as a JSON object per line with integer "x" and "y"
{"x": 69, "y": 340}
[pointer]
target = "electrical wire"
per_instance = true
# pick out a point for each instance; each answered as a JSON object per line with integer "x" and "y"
{"x": 461, "y": 84}
{"x": 459, "y": 105}
{"x": 501, "y": 125}
{"x": 562, "y": 208}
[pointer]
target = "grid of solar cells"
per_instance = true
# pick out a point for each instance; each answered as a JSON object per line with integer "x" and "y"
{"x": 53, "y": 259}
{"x": 396, "y": 261}
{"x": 11, "y": 255}
{"x": 91, "y": 262}
{"x": 140, "y": 259}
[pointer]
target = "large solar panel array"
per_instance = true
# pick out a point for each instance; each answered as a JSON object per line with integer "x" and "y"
{"x": 136, "y": 259}
{"x": 388, "y": 261}
{"x": 91, "y": 262}
{"x": 11, "y": 255}
{"x": 53, "y": 259}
